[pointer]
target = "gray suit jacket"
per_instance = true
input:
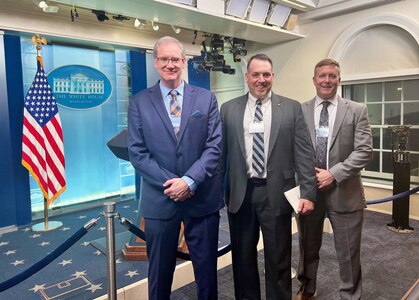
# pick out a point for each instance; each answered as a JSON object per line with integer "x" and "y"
{"x": 290, "y": 153}
{"x": 349, "y": 151}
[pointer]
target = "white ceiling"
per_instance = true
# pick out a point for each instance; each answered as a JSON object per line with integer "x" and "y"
{"x": 167, "y": 13}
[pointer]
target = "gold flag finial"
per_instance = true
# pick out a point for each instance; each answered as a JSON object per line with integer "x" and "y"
{"x": 38, "y": 40}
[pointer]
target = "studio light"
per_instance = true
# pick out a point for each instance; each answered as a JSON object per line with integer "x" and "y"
{"x": 137, "y": 23}
{"x": 175, "y": 29}
{"x": 237, "y": 8}
{"x": 100, "y": 15}
{"x": 42, "y": 4}
{"x": 155, "y": 26}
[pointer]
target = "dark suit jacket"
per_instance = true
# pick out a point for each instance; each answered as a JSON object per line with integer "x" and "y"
{"x": 349, "y": 151}
{"x": 158, "y": 156}
{"x": 290, "y": 153}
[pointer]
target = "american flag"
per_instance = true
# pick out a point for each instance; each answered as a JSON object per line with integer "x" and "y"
{"x": 42, "y": 141}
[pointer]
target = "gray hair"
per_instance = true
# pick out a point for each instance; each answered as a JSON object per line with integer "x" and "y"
{"x": 168, "y": 40}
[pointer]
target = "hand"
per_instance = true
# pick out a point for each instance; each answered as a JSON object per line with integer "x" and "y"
{"x": 305, "y": 207}
{"x": 177, "y": 189}
{"x": 324, "y": 179}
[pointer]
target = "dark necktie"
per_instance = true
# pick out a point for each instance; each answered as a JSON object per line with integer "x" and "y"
{"x": 258, "y": 155}
{"x": 175, "y": 110}
{"x": 321, "y": 142}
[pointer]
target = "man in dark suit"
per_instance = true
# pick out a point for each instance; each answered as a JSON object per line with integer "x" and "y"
{"x": 265, "y": 144}
{"x": 175, "y": 144}
{"x": 344, "y": 128}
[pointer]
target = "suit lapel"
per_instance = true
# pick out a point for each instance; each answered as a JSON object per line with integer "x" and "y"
{"x": 238, "y": 120}
{"x": 188, "y": 102}
{"x": 158, "y": 103}
{"x": 276, "y": 120}
{"x": 340, "y": 115}
{"x": 308, "y": 109}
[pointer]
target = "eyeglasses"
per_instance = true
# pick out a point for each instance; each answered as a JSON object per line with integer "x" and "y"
{"x": 165, "y": 60}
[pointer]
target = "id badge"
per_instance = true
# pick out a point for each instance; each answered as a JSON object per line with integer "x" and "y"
{"x": 322, "y": 132}
{"x": 256, "y": 127}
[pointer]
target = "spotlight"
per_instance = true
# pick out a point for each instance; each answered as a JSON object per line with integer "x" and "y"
{"x": 42, "y": 4}
{"x": 175, "y": 29}
{"x": 100, "y": 15}
{"x": 155, "y": 26}
{"x": 137, "y": 23}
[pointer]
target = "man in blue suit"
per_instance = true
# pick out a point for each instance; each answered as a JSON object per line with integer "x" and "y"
{"x": 175, "y": 144}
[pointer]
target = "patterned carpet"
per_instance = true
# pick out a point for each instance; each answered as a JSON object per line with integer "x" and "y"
{"x": 389, "y": 260}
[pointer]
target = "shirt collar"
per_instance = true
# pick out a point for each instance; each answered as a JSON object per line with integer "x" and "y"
{"x": 166, "y": 90}
{"x": 253, "y": 99}
{"x": 319, "y": 101}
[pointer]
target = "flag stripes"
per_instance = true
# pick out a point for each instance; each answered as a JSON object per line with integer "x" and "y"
{"x": 42, "y": 140}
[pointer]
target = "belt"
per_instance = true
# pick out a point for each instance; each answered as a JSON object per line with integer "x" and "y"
{"x": 257, "y": 181}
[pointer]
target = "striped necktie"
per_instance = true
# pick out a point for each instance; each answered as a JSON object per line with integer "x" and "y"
{"x": 175, "y": 110}
{"x": 321, "y": 141}
{"x": 258, "y": 156}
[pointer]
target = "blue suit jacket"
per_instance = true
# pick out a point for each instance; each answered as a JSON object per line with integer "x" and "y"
{"x": 158, "y": 156}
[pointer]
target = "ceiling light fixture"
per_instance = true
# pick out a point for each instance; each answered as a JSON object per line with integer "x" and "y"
{"x": 137, "y": 23}
{"x": 155, "y": 26}
{"x": 176, "y": 29}
{"x": 42, "y": 4}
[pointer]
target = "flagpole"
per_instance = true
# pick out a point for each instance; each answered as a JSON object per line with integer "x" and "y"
{"x": 46, "y": 225}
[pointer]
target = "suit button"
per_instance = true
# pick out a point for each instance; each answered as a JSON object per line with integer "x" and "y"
{"x": 178, "y": 154}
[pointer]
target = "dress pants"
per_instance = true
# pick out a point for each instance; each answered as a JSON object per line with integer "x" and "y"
{"x": 254, "y": 215}
{"x": 201, "y": 236}
{"x": 347, "y": 230}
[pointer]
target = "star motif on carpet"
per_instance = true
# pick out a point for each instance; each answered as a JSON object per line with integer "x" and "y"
{"x": 118, "y": 261}
{"x": 66, "y": 262}
{"x": 85, "y": 244}
{"x": 81, "y": 217}
{"x": 94, "y": 287}
{"x": 97, "y": 252}
{"x": 37, "y": 288}
{"x": 80, "y": 274}
{"x": 44, "y": 244}
{"x": 126, "y": 206}
{"x": 26, "y": 229}
{"x": 102, "y": 228}
{"x": 4, "y": 244}
{"x": 18, "y": 262}
{"x": 36, "y": 235}
{"x": 10, "y": 252}
{"x": 131, "y": 273}
{"x": 65, "y": 228}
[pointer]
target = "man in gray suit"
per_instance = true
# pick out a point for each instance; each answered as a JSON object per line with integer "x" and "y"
{"x": 265, "y": 144}
{"x": 341, "y": 134}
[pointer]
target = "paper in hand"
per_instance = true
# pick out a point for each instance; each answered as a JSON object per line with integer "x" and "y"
{"x": 293, "y": 197}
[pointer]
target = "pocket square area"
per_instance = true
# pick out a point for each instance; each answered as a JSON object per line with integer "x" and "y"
{"x": 197, "y": 114}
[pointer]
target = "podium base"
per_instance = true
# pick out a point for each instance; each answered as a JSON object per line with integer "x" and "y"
{"x": 51, "y": 225}
{"x": 391, "y": 227}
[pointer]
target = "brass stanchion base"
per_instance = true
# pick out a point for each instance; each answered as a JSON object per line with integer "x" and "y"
{"x": 391, "y": 227}
{"x": 51, "y": 225}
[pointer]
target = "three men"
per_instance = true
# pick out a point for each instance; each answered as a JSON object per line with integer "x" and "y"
{"x": 265, "y": 144}
{"x": 175, "y": 144}
{"x": 341, "y": 135}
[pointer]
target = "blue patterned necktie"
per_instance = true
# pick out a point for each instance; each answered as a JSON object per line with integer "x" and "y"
{"x": 321, "y": 143}
{"x": 258, "y": 156}
{"x": 175, "y": 109}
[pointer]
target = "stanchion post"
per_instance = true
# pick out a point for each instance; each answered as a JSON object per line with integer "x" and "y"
{"x": 109, "y": 213}
{"x": 401, "y": 181}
